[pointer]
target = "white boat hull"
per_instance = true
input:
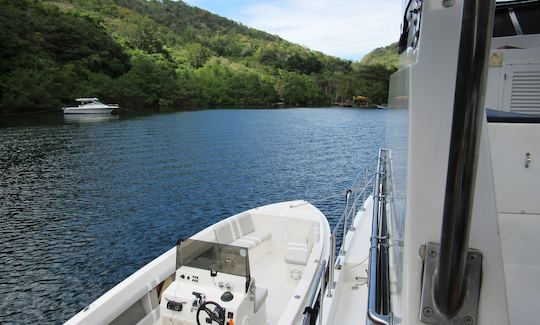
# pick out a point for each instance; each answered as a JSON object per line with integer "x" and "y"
{"x": 87, "y": 110}
{"x": 286, "y": 224}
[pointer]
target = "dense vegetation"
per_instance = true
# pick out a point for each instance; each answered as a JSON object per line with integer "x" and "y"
{"x": 164, "y": 55}
{"x": 386, "y": 56}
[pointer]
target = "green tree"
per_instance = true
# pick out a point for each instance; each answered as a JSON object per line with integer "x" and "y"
{"x": 150, "y": 84}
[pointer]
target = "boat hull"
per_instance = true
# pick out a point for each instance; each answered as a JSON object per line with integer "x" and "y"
{"x": 84, "y": 110}
{"x": 141, "y": 293}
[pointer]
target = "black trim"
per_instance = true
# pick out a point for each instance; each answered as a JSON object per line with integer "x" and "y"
{"x": 494, "y": 116}
{"x": 516, "y": 4}
{"x": 527, "y": 13}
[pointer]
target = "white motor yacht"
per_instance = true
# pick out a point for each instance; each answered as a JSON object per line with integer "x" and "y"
{"x": 450, "y": 232}
{"x": 258, "y": 267}
{"x": 90, "y": 106}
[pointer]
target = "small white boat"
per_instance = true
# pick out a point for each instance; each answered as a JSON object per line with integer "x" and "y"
{"x": 90, "y": 106}
{"x": 262, "y": 266}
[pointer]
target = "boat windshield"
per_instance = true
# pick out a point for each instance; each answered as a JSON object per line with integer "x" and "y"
{"x": 213, "y": 256}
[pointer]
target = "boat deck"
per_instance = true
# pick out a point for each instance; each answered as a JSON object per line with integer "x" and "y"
{"x": 270, "y": 272}
{"x": 521, "y": 264}
{"x": 351, "y": 292}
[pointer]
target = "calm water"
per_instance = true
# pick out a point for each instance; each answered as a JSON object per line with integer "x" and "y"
{"x": 83, "y": 204}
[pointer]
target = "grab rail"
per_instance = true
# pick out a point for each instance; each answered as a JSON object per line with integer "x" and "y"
{"x": 359, "y": 191}
{"x": 476, "y": 30}
{"x": 378, "y": 275}
{"x": 311, "y": 310}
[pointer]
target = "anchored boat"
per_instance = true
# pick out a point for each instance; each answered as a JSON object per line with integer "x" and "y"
{"x": 261, "y": 266}
{"x": 90, "y": 106}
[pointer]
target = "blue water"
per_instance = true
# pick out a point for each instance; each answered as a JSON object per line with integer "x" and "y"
{"x": 83, "y": 204}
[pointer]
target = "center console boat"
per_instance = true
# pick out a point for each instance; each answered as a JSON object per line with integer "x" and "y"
{"x": 261, "y": 266}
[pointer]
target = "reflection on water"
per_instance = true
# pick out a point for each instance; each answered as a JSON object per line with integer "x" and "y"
{"x": 84, "y": 205}
{"x": 89, "y": 118}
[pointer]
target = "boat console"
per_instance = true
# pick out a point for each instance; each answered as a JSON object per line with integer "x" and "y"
{"x": 212, "y": 286}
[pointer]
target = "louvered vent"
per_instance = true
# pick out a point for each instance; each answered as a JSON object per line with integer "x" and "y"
{"x": 525, "y": 94}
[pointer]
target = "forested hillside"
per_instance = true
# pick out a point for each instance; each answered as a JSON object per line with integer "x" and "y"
{"x": 387, "y": 56}
{"x": 163, "y": 55}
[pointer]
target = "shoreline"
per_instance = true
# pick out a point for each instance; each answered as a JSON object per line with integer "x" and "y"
{"x": 181, "y": 109}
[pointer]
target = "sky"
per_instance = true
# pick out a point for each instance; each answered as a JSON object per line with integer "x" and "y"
{"x": 348, "y": 29}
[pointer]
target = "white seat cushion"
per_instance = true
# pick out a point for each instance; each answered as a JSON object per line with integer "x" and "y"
{"x": 253, "y": 239}
{"x": 316, "y": 233}
{"x": 245, "y": 224}
{"x": 240, "y": 232}
{"x": 297, "y": 253}
{"x": 258, "y": 236}
{"x": 243, "y": 242}
{"x": 224, "y": 233}
{"x": 260, "y": 297}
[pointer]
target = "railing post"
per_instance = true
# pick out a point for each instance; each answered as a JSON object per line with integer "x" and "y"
{"x": 346, "y": 218}
{"x": 321, "y": 296}
{"x": 331, "y": 264}
{"x": 365, "y": 188}
{"x": 355, "y": 197}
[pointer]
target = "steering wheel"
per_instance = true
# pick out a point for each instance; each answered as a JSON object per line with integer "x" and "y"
{"x": 217, "y": 315}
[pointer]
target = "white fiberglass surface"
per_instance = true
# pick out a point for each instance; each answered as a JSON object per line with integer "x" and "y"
{"x": 352, "y": 294}
{"x": 519, "y": 239}
{"x": 273, "y": 274}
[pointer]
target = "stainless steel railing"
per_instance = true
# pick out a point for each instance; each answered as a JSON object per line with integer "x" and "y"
{"x": 378, "y": 275}
{"x": 362, "y": 187}
{"x": 311, "y": 310}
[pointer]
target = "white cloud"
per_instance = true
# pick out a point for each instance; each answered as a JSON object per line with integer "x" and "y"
{"x": 344, "y": 28}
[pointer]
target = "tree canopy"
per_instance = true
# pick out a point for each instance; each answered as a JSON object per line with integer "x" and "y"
{"x": 164, "y": 55}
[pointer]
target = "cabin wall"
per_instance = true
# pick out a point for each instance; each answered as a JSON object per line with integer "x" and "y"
{"x": 517, "y": 188}
{"x": 514, "y": 75}
{"x": 432, "y": 79}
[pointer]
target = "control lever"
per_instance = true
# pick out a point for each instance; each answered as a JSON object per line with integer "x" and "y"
{"x": 198, "y": 300}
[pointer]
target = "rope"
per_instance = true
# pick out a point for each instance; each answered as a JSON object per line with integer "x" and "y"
{"x": 315, "y": 201}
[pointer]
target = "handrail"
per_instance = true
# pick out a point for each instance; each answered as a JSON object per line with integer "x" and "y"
{"x": 476, "y": 29}
{"x": 378, "y": 278}
{"x": 314, "y": 294}
{"x": 333, "y": 240}
{"x": 359, "y": 190}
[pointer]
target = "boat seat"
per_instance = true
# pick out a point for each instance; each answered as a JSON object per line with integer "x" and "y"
{"x": 316, "y": 233}
{"x": 224, "y": 233}
{"x": 297, "y": 250}
{"x": 240, "y": 232}
{"x": 257, "y": 236}
{"x": 252, "y": 239}
{"x": 244, "y": 224}
{"x": 297, "y": 253}
{"x": 260, "y": 297}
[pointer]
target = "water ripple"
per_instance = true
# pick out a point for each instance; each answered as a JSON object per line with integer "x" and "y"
{"x": 84, "y": 205}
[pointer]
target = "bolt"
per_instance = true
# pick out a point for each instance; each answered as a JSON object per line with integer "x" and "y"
{"x": 468, "y": 320}
{"x": 422, "y": 252}
{"x": 433, "y": 253}
{"x": 472, "y": 258}
{"x": 428, "y": 311}
{"x": 448, "y": 3}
